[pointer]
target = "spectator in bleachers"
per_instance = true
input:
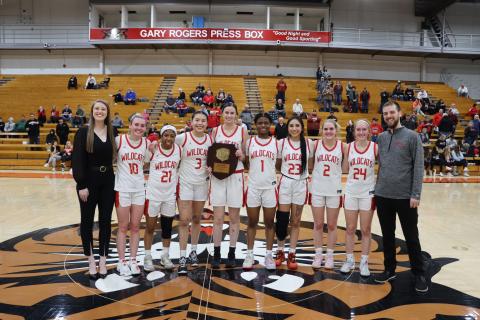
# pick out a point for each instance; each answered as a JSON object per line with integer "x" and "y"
{"x": 81, "y": 113}
{"x": 470, "y": 133}
{"x": 220, "y": 98}
{"x": 54, "y": 115}
{"x": 440, "y": 105}
{"x": 348, "y": 88}
{"x": 337, "y": 91}
{"x": 62, "y": 131}
{"x": 473, "y": 150}
{"x": 417, "y": 107}
{"x": 321, "y": 85}
{"x": 397, "y": 93}
{"x": 319, "y": 73}
{"x": 327, "y": 98}
{"x": 213, "y": 118}
{"x": 117, "y": 123}
{"x": 208, "y": 99}
{"x": 152, "y": 129}
{"x": 33, "y": 129}
{"x": 454, "y": 110}
{"x": 41, "y": 115}
{"x": 77, "y": 121}
{"x": 10, "y": 125}
{"x": 281, "y": 129}
{"x": 476, "y": 122}
{"x": 281, "y": 89}
{"x": 91, "y": 82}
{"x": 353, "y": 98}
{"x": 170, "y": 103}
{"x": 409, "y": 94}
{"x": 472, "y": 111}
{"x": 228, "y": 100}
{"x": 427, "y": 124}
{"x": 453, "y": 117}
{"x": 216, "y": 110}
{"x": 51, "y": 137}
{"x": 425, "y": 137}
{"x": 117, "y": 97}
{"x": 146, "y": 115}
{"x": 273, "y": 113}
{"x": 200, "y": 87}
{"x": 66, "y": 154}
{"x": 383, "y": 99}
{"x": 182, "y": 108}
{"x": 439, "y": 153}
{"x": 20, "y": 125}
{"x": 247, "y": 117}
{"x": 54, "y": 156}
{"x": 349, "y": 132}
{"x": 297, "y": 108}
{"x": 332, "y": 116}
{"x": 67, "y": 113}
{"x": 462, "y": 91}
{"x": 242, "y": 125}
{"x": 280, "y": 107}
{"x": 437, "y": 117}
{"x": 451, "y": 142}
{"x": 313, "y": 124}
{"x": 459, "y": 161}
{"x": 72, "y": 83}
{"x": 365, "y": 100}
{"x": 197, "y": 96}
{"x": 204, "y": 109}
{"x": 375, "y": 129}
{"x": 2, "y": 125}
{"x": 446, "y": 126}
{"x": 423, "y": 96}
{"x": 130, "y": 97}
{"x": 411, "y": 122}
{"x": 181, "y": 95}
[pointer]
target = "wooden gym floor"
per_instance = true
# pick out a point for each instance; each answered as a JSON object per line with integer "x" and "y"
{"x": 42, "y": 269}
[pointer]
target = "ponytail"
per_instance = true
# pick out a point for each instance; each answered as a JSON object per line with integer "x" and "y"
{"x": 303, "y": 149}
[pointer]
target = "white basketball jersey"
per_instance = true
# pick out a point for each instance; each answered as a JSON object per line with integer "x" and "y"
{"x": 163, "y": 178}
{"x": 193, "y": 167}
{"x": 130, "y": 159}
{"x": 262, "y": 155}
{"x": 361, "y": 173}
{"x": 292, "y": 159}
{"x": 235, "y": 138}
{"x": 327, "y": 170}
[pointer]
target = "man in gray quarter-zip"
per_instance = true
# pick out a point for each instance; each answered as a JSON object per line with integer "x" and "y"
{"x": 398, "y": 189}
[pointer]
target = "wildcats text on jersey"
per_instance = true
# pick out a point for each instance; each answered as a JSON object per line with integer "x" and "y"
{"x": 165, "y": 164}
{"x": 197, "y": 152}
{"x": 292, "y": 157}
{"x": 135, "y": 156}
{"x": 362, "y": 161}
{"x": 325, "y": 157}
{"x": 262, "y": 154}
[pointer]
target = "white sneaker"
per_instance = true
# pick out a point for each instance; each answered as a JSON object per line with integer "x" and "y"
{"x": 347, "y": 266}
{"x": 166, "y": 262}
{"x": 441, "y": 174}
{"x": 364, "y": 271}
{"x": 123, "y": 268}
{"x": 465, "y": 172}
{"x": 53, "y": 169}
{"x": 148, "y": 263}
{"x": 317, "y": 261}
{"x": 46, "y": 165}
{"x": 134, "y": 268}
{"x": 449, "y": 174}
{"x": 270, "y": 263}
{"x": 248, "y": 262}
{"x": 329, "y": 263}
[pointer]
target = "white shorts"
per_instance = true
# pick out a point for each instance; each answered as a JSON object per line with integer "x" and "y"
{"x": 266, "y": 198}
{"x": 227, "y": 192}
{"x": 156, "y": 208}
{"x": 292, "y": 191}
{"x": 332, "y": 202}
{"x": 126, "y": 199}
{"x": 193, "y": 192}
{"x": 355, "y": 204}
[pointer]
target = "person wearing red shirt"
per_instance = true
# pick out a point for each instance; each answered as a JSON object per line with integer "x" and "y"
{"x": 437, "y": 117}
{"x": 41, "y": 115}
{"x": 208, "y": 99}
{"x": 313, "y": 124}
{"x": 213, "y": 119}
{"x": 54, "y": 115}
{"x": 375, "y": 129}
{"x": 473, "y": 111}
{"x": 281, "y": 89}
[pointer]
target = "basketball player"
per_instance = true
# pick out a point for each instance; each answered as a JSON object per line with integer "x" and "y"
{"x": 359, "y": 191}
{"x": 326, "y": 190}
{"x": 293, "y": 190}
{"x": 130, "y": 192}
{"x": 262, "y": 153}
{"x": 161, "y": 195}
{"x": 193, "y": 185}
{"x": 229, "y": 191}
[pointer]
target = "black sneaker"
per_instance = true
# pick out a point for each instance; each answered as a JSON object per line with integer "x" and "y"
{"x": 182, "y": 266}
{"x": 216, "y": 262}
{"x": 231, "y": 261}
{"x": 385, "y": 276}
{"x": 421, "y": 284}
{"x": 193, "y": 259}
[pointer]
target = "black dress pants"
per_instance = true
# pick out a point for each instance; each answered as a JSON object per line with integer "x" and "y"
{"x": 101, "y": 194}
{"x": 387, "y": 210}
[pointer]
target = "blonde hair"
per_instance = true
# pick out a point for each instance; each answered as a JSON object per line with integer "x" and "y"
{"x": 91, "y": 127}
{"x": 365, "y": 121}
{"x": 332, "y": 121}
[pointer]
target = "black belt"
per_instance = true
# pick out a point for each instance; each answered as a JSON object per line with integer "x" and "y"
{"x": 101, "y": 168}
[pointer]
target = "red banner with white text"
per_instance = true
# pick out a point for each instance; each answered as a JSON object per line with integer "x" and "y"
{"x": 209, "y": 34}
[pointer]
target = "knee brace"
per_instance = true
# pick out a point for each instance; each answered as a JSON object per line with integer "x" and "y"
{"x": 281, "y": 225}
{"x": 166, "y": 225}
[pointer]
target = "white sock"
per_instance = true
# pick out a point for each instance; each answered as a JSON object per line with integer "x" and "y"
{"x": 269, "y": 252}
{"x": 350, "y": 257}
{"x": 364, "y": 257}
{"x": 281, "y": 247}
{"x": 194, "y": 247}
{"x": 329, "y": 252}
{"x": 318, "y": 250}
{"x": 148, "y": 252}
{"x": 249, "y": 252}
{"x": 183, "y": 253}
{"x": 165, "y": 251}
{"x": 292, "y": 250}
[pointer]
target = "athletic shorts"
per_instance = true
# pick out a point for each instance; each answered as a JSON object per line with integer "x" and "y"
{"x": 332, "y": 202}
{"x": 156, "y": 208}
{"x": 193, "y": 192}
{"x": 227, "y": 192}
{"x": 126, "y": 199}
{"x": 266, "y": 198}
{"x": 291, "y": 191}
{"x": 355, "y": 204}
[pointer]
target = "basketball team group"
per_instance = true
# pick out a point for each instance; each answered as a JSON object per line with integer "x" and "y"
{"x": 283, "y": 176}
